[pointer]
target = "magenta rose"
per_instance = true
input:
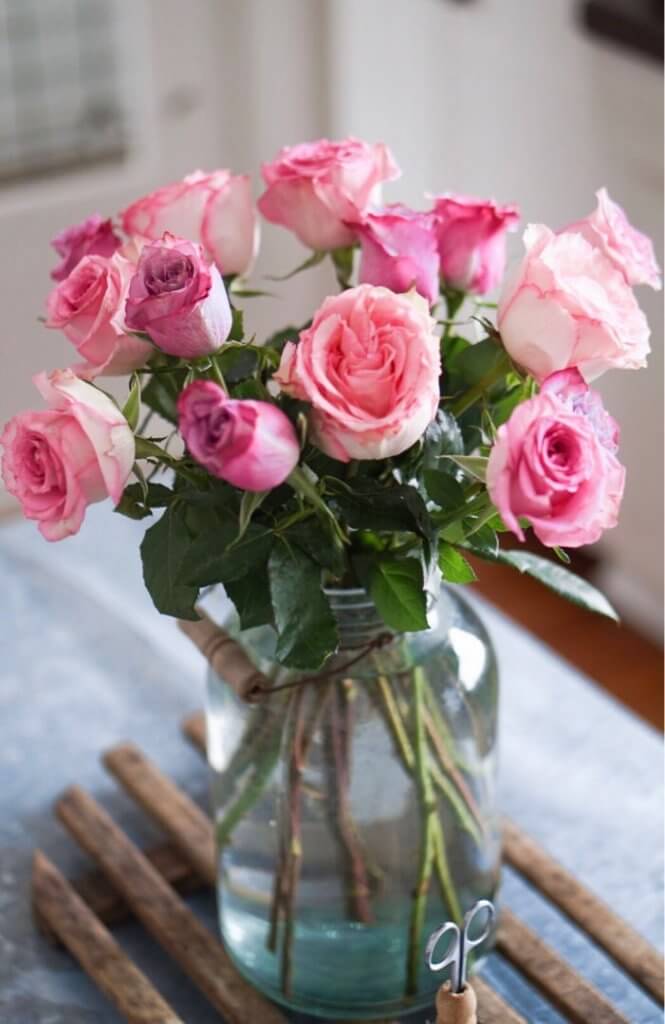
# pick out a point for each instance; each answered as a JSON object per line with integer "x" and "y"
{"x": 314, "y": 189}
{"x": 178, "y": 299}
{"x": 472, "y": 241}
{"x": 554, "y": 463}
{"x": 213, "y": 209}
{"x": 251, "y": 444}
{"x": 609, "y": 230}
{"x": 92, "y": 237}
{"x": 369, "y": 367}
{"x": 89, "y": 307}
{"x": 568, "y": 305}
{"x": 59, "y": 460}
{"x": 399, "y": 251}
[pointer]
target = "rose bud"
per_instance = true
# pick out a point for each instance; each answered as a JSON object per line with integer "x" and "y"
{"x": 179, "y": 299}
{"x": 93, "y": 237}
{"x": 569, "y": 306}
{"x": 59, "y": 460}
{"x": 472, "y": 241}
{"x": 554, "y": 463}
{"x": 399, "y": 251}
{"x": 369, "y": 366}
{"x": 609, "y": 230}
{"x": 89, "y": 307}
{"x": 213, "y": 209}
{"x": 314, "y": 189}
{"x": 253, "y": 445}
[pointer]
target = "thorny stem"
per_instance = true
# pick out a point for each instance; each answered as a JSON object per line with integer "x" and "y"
{"x": 340, "y": 732}
{"x": 294, "y": 840}
{"x": 450, "y": 770}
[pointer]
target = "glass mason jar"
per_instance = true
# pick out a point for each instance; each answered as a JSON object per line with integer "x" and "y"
{"x": 355, "y": 811}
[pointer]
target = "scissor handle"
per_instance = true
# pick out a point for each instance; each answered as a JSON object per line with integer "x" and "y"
{"x": 471, "y": 915}
{"x": 452, "y": 951}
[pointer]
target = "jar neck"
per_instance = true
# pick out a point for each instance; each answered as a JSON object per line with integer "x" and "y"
{"x": 356, "y": 616}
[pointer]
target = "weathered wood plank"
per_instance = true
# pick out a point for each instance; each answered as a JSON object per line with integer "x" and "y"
{"x": 632, "y": 952}
{"x": 194, "y": 728}
{"x": 563, "y": 986}
{"x": 162, "y": 912}
{"x": 491, "y": 1007}
{"x": 72, "y": 921}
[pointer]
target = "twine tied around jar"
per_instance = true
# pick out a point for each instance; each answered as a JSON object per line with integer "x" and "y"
{"x": 230, "y": 660}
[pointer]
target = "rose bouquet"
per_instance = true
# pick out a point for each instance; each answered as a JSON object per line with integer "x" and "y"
{"x": 330, "y": 476}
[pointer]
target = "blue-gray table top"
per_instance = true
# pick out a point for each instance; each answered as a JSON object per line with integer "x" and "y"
{"x": 86, "y": 662}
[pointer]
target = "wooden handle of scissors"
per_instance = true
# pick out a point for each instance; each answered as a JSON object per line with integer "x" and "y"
{"x": 456, "y": 1007}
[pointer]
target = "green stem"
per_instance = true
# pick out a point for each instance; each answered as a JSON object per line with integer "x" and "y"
{"x": 218, "y": 375}
{"x": 262, "y": 770}
{"x": 478, "y": 391}
{"x": 302, "y": 485}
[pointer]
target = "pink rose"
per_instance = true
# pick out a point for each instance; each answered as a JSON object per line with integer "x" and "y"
{"x": 554, "y": 463}
{"x": 93, "y": 237}
{"x": 213, "y": 209}
{"x": 315, "y": 188}
{"x": 60, "y": 460}
{"x": 568, "y": 305}
{"x": 609, "y": 230}
{"x": 179, "y": 299}
{"x": 369, "y": 367}
{"x": 88, "y": 306}
{"x": 252, "y": 445}
{"x": 399, "y": 251}
{"x": 472, "y": 241}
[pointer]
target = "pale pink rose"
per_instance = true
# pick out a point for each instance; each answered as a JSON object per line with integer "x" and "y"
{"x": 214, "y": 209}
{"x": 59, "y": 460}
{"x": 568, "y": 305}
{"x": 399, "y": 251}
{"x": 314, "y": 189}
{"x": 609, "y": 229}
{"x": 178, "y": 299}
{"x": 253, "y": 445}
{"x": 92, "y": 237}
{"x": 554, "y": 463}
{"x": 88, "y": 306}
{"x": 472, "y": 241}
{"x": 369, "y": 367}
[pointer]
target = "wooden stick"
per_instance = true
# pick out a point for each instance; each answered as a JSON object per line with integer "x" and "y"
{"x": 187, "y": 825}
{"x": 491, "y": 1007}
{"x": 227, "y": 658}
{"x": 565, "y": 989}
{"x": 456, "y": 1007}
{"x": 162, "y": 912}
{"x": 194, "y": 728}
{"x": 629, "y": 949}
{"x": 97, "y": 952}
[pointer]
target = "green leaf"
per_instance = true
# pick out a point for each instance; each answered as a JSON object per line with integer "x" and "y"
{"x": 236, "y": 363}
{"x": 484, "y": 538}
{"x": 216, "y": 556}
{"x": 147, "y": 449}
{"x": 164, "y": 552}
{"x": 132, "y": 407}
{"x": 250, "y": 501}
{"x": 161, "y": 393}
{"x": 442, "y": 437}
{"x": 251, "y": 597}
{"x": 138, "y": 499}
{"x": 237, "y": 332}
{"x": 554, "y": 576}
{"x": 132, "y": 506}
{"x": 443, "y": 489}
{"x": 474, "y": 465}
{"x": 316, "y": 541}
{"x": 311, "y": 261}
{"x": 368, "y": 506}
{"x": 479, "y": 361}
{"x": 397, "y": 588}
{"x": 279, "y": 339}
{"x": 343, "y": 262}
{"x": 454, "y": 565}
{"x": 306, "y": 630}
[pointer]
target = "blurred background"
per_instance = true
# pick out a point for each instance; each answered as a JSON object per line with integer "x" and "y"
{"x": 534, "y": 101}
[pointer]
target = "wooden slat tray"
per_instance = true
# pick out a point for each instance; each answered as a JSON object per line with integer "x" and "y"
{"x": 150, "y": 885}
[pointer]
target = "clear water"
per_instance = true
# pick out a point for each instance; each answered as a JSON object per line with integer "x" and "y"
{"x": 332, "y": 964}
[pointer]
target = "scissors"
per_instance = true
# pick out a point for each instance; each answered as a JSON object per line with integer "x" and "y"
{"x": 459, "y": 947}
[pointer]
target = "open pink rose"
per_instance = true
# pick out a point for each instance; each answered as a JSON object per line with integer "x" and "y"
{"x": 59, "y": 460}
{"x": 93, "y": 237}
{"x": 315, "y": 188}
{"x": 568, "y": 305}
{"x": 89, "y": 307}
{"x": 554, "y": 463}
{"x": 369, "y": 367}
{"x": 609, "y": 229}
{"x": 251, "y": 444}
{"x": 179, "y": 299}
{"x": 472, "y": 241}
{"x": 213, "y": 209}
{"x": 399, "y": 251}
